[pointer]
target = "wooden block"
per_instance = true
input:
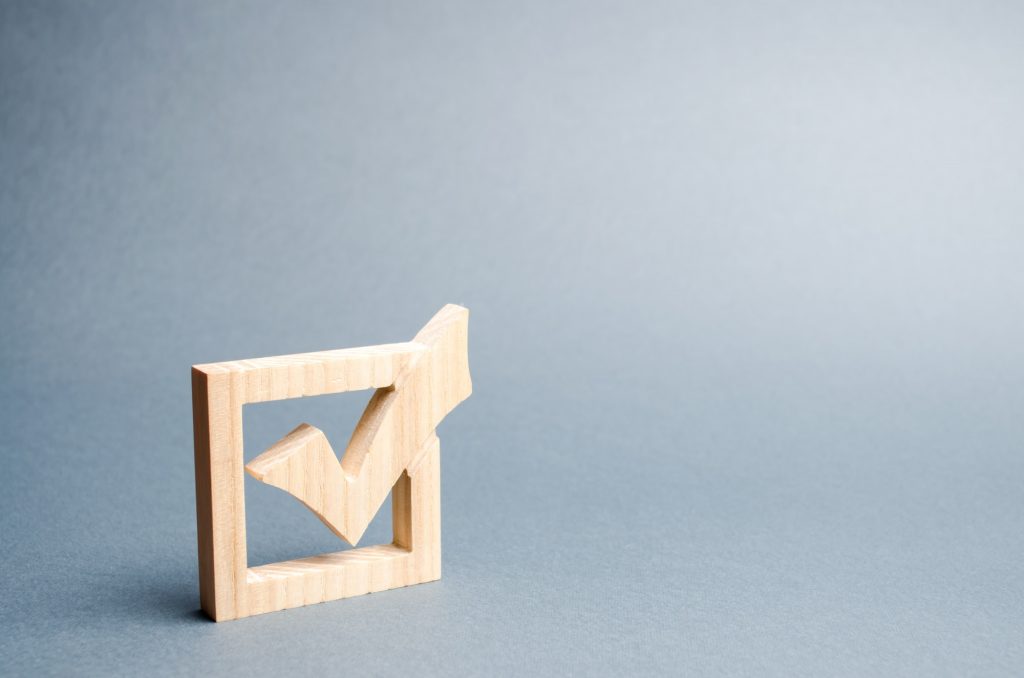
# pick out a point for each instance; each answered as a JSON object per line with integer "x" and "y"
{"x": 394, "y": 449}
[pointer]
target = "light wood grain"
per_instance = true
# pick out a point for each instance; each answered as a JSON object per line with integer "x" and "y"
{"x": 393, "y": 448}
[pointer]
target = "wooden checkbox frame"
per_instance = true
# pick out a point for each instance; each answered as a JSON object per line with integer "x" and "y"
{"x": 394, "y": 449}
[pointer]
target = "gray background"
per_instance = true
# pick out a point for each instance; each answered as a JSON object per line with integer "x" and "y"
{"x": 746, "y": 289}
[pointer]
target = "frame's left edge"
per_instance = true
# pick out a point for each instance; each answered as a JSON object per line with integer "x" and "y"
{"x": 204, "y": 491}
{"x": 220, "y": 500}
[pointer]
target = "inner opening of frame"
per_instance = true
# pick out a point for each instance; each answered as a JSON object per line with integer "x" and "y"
{"x": 278, "y": 526}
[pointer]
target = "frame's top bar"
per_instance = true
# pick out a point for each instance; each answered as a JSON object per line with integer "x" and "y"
{"x": 362, "y": 353}
{"x": 321, "y": 372}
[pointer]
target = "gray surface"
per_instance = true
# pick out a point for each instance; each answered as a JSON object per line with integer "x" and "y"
{"x": 746, "y": 283}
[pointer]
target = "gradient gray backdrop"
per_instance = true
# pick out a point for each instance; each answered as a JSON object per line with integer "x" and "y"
{"x": 746, "y": 288}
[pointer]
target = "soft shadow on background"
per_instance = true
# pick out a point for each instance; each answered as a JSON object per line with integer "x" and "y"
{"x": 746, "y": 289}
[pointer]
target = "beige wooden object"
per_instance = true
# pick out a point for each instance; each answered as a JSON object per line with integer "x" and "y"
{"x": 393, "y": 449}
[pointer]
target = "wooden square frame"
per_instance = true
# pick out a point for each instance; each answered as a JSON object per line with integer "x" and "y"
{"x": 394, "y": 448}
